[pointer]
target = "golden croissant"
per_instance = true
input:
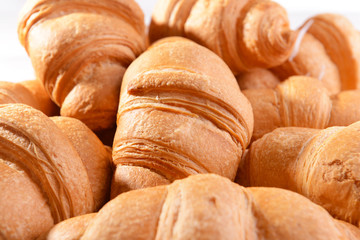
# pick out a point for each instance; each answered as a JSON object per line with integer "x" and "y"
{"x": 80, "y": 49}
{"x": 258, "y": 78}
{"x": 207, "y": 206}
{"x": 301, "y": 102}
{"x": 323, "y": 165}
{"x": 31, "y": 93}
{"x": 329, "y": 51}
{"x": 178, "y": 116}
{"x": 45, "y": 177}
{"x": 245, "y": 34}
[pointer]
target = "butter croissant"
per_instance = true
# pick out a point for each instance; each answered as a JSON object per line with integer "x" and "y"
{"x": 31, "y": 93}
{"x": 301, "y": 102}
{"x": 330, "y": 51}
{"x": 80, "y": 50}
{"x": 323, "y": 165}
{"x": 178, "y": 116}
{"x": 245, "y": 34}
{"x": 43, "y": 178}
{"x": 207, "y": 206}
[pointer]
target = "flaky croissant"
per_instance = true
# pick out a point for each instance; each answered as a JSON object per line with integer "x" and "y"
{"x": 330, "y": 51}
{"x": 245, "y": 34}
{"x": 258, "y": 78}
{"x": 178, "y": 116}
{"x": 301, "y": 102}
{"x": 31, "y": 93}
{"x": 43, "y": 179}
{"x": 322, "y": 165}
{"x": 207, "y": 206}
{"x": 80, "y": 50}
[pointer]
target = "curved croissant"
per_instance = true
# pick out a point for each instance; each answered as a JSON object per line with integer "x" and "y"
{"x": 245, "y": 34}
{"x": 178, "y": 116}
{"x": 95, "y": 157}
{"x": 43, "y": 177}
{"x": 301, "y": 102}
{"x": 31, "y": 93}
{"x": 80, "y": 50}
{"x": 322, "y": 165}
{"x": 330, "y": 51}
{"x": 207, "y": 206}
{"x": 311, "y": 60}
{"x": 258, "y": 78}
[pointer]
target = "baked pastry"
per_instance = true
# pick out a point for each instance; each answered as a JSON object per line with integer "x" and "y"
{"x": 245, "y": 34}
{"x": 49, "y": 171}
{"x": 80, "y": 50}
{"x": 322, "y": 165}
{"x": 178, "y": 116}
{"x": 258, "y": 78}
{"x": 70, "y": 229}
{"x": 208, "y": 206}
{"x": 95, "y": 157}
{"x": 311, "y": 59}
{"x": 329, "y": 51}
{"x": 345, "y": 108}
{"x": 301, "y": 102}
{"x": 31, "y": 93}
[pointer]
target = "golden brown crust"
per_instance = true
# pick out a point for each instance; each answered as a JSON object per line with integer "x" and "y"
{"x": 298, "y": 102}
{"x": 212, "y": 207}
{"x": 173, "y": 109}
{"x": 30, "y": 93}
{"x": 32, "y": 144}
{"x": 314, "y": 163}
{"x": 70, "y": 229}
{"x": 342, "y": 43}
{"x": 311, "y": 59}
{"x": 44, "y": 103}
{"x": 93, "y": 154}
{"x": 80, "y": 50}
{"x": 245, "y": 34}
{"x": 258, "y": 78}
{"x": 345, "y": 108}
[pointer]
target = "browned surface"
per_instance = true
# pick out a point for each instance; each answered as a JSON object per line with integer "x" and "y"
{"x": 258, "y": 78}
{"x": 80, "y": 50}
{"x": 323, "y": 165}
{"x": 93, "y": 154}
{"x": 211, "y": 207}
{"x": 43, "y": 180}
{"x": 31, "y": 93}
{"x": 179, "y": 117}
{"x": 245, "y": 34}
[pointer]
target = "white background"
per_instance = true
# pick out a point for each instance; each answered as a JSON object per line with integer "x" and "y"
{"x": 15, "y": 64}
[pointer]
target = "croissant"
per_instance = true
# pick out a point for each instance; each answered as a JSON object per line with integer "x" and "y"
{"x": 43, "y": 179}
{"x": 322, "y": 165}
{"x": 245, "y": 34}
{"x": 311, "y": 60}
{"x": 345, "y": 108}
{"x": 207, "y": 206}
{"x": 258, "y": 78}
{"x": 80, "y": 50}
{"x": 331, "y": 41}
{"x": 301, "y": 102}
{"x": 96, "y": 158}
{"x": 178, "y": 116}
{"x": 31, "y": 93}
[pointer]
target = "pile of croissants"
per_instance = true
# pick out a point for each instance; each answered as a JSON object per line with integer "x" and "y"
{"x": 131, "y": 132}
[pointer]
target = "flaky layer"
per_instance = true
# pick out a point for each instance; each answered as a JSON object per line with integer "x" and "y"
{"x": 322, "y": 165}
{"x": 245, "y": 34}
{"x": 80, "y": 50}
{"x": 179, "y": 117}
{"x": 211, "y": 207}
